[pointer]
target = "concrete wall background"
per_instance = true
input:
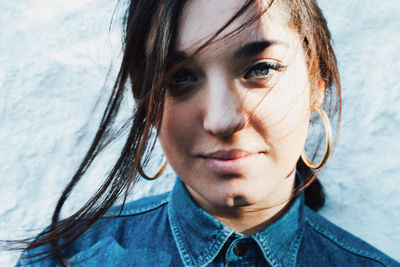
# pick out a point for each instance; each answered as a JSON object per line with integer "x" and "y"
{"x": 54, "y": 59}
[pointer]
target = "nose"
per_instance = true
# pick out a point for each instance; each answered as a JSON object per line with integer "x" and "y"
{"x": 224, "y": 114}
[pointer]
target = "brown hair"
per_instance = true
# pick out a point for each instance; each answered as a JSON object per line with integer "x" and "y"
{"x": 307, "y": 19}
{"x": 150, "y": 33}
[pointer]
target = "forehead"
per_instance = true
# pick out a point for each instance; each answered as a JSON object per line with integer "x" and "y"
{"x": 202, "y": 18}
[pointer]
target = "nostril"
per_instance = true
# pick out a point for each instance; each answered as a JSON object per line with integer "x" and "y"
{"x": 224, "y": 125}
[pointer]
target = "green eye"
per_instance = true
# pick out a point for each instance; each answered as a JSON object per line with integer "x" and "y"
{"x": 181, "y": 83}
{"x": 261, "y": 69}
{"x": 182, "y": 77}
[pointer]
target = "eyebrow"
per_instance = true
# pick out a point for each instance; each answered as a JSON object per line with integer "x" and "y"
{"x": 254, "y": 48}
{"x": 246, "y": 51}
{"x": 177, "y": 57}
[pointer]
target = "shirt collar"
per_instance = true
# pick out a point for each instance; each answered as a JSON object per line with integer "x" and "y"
{"x": 280, "y": 241}
{"x": 200, "y": 237}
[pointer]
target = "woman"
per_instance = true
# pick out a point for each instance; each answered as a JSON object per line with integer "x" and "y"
{"x": 230, "y": 87}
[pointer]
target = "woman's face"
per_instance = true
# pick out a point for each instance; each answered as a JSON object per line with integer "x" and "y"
{"x": 236, "y": 116}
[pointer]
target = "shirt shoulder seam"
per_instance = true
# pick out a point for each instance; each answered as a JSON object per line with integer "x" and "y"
{"x": 358, "y": 252}
{"x": 140, "y": 206}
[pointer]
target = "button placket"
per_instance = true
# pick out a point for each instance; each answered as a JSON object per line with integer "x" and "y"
{"x": 243, "y": 251}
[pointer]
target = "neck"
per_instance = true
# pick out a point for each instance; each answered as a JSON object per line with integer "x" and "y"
{"x": 251, "y": 219}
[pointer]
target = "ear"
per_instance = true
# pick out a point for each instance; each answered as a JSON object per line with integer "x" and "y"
{"x": 319, "y": 95}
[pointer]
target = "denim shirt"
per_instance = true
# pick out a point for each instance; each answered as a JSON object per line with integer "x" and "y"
{"x": 172, "y": 230}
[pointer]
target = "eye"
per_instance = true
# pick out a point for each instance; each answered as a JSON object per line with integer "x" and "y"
{"x": 262, "y": 69}
{"x": 182, "y": 77}
{"x": 182, "y": 83}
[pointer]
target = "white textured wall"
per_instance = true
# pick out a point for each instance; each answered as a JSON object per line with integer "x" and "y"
{"x": 54, "y": 56}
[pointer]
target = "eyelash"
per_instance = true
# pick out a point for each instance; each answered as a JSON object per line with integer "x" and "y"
{"x": 267, "y": 65}
{"x": 172, "y": 81}
{"x": 189, "y": 77}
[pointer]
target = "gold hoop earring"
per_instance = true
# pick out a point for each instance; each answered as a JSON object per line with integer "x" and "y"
{"x": 158, "y": 174}
{"x": 328, "y": 144}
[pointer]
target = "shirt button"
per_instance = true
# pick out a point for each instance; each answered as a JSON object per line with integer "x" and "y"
{"x": 239, "y": 249}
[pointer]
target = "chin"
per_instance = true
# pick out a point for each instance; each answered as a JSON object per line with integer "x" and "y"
{"x": 240, "y": 201}
{"x": 237, "y": 199}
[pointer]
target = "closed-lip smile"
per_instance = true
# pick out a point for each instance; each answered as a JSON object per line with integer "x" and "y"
{"x": 229, "y": 154}
{"x": 231, "y": 162}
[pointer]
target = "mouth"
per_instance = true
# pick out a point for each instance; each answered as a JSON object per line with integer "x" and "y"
{"x": 231, "y": 162}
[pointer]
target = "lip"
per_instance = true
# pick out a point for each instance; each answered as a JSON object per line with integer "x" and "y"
{"x": 231, "y": 162}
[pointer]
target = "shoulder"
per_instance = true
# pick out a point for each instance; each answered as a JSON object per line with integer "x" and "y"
{"x": 129, "y": 221}
{"x": 124, "y": 230}
{"x": 132, "y": 221}
{"x": 121, "y": 230}
{"x": 140, "y": 206}
{"x": 337, "y": 246}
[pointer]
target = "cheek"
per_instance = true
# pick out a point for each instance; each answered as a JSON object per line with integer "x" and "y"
{"x": 294, "y": 129}
{"x": 177, "y": 128}
{"x": 284, "y": 116}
